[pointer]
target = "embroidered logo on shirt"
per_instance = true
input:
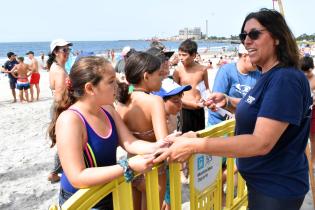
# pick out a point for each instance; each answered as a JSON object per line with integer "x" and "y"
{"x": 242, "y": 89}
{"x": 250, "y": 99}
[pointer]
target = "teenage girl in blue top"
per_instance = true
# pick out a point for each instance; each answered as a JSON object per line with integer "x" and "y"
{"x": 87, "y": 131}
{"x": 272, "y": 120}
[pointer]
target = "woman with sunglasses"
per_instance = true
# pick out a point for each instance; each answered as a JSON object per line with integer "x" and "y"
{"x": 58, "y": 57}
{"x": 272, "y": 120}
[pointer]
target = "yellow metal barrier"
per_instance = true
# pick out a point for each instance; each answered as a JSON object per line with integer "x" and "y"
{"x": 86, "y": 198}
{"x": 211, "y": 196}
{"x": 208, "y": 198}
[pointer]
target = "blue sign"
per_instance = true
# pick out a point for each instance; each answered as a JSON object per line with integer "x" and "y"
{"x": 201, "y": 162}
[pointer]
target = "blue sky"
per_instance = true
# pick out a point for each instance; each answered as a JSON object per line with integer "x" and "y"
{"x": 42, "y": 20}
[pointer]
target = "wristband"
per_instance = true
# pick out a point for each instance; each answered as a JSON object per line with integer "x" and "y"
{"x": 227, "y": 101}
{"x": 128, "y": 173}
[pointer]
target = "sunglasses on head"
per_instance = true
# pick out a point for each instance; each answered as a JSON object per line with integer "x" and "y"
{"x": 253, "y": 34}
{"x": 65, "y": 50}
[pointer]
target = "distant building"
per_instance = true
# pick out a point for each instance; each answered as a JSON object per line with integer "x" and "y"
{"x": 190, "y": 33}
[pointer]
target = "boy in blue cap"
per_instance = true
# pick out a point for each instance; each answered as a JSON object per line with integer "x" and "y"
{"x": 172, "y": 93}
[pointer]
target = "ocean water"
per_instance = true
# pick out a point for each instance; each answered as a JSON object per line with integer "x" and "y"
{"x": 101, "y": 47}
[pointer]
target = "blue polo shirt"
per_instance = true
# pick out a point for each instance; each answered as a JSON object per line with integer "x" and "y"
{"x": 281, "y": 94}
{"x": 233, "y": 83}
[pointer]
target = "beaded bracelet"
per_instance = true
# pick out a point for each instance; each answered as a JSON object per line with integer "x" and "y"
{"x": 128, "y": 173}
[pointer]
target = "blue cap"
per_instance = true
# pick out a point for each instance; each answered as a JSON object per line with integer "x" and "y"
{"x": 171, "y": 88}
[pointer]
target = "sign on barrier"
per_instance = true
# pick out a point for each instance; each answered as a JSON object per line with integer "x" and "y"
{"x": 206, "y": 169}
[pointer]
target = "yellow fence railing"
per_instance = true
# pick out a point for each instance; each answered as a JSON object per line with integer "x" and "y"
{"x": 205, "y": 185}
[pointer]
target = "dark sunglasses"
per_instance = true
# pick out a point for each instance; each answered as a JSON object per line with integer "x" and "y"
{"x": 65, "y": 50}
{"x": 253, "y": 34}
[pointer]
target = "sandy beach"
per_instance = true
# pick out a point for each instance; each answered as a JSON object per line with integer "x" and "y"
{"x": 26, "y": 157}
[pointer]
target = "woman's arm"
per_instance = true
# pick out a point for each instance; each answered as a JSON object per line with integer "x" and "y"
{"x": 60, "y": 83}
{"x": 266, "y": 134}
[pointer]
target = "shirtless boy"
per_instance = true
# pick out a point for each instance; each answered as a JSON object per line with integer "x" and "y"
{"x": 23, "y": 71}
{"x": 192, "y": 116}
{"x": 35, "y": 75}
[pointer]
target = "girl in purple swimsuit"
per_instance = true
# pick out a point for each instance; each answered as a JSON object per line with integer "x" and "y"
{"x": 87, "y": 130}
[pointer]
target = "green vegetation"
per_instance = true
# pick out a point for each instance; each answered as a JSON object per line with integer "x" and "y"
{"x": 306, "y": 37}
{"x": 222, "y": 38}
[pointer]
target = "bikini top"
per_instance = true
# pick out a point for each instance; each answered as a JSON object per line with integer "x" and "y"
{"x": 144, "y": 134}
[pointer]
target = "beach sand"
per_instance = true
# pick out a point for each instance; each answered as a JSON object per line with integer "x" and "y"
{"x": 26, "y": 157}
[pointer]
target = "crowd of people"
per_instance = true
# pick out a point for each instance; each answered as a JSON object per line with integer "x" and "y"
{"x": 24, "y": 77}
{"x": 154, "y": 101}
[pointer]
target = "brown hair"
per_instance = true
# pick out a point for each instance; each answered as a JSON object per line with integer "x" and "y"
{"x": 136, "y": 65}
{"x": 287, "y": 51}
{"x": 86, "y": 69}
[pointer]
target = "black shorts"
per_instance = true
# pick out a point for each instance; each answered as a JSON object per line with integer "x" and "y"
{"x": 192, "y": 120}
{"x": 12, "y": 83}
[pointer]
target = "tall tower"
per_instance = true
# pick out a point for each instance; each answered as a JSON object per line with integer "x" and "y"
{"x": 280, "y": 6}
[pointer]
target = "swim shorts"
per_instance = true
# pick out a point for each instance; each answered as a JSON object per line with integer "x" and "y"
{"x": 35, "y": 78}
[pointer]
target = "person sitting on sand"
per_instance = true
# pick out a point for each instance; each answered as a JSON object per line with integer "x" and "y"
{"x": 86, "y": 124}
{"x": 23, "y": 71}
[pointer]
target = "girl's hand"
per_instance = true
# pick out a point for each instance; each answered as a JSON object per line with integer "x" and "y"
{"x": 164, "y": 143}
{"x": 140, "y": 163}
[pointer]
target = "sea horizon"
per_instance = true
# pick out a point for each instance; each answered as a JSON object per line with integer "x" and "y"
{"x": 102, "y": 47}
{"x": 149, "y": 40}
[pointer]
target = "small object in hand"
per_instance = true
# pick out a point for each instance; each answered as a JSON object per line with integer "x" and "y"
{"x": 15, "y": 73}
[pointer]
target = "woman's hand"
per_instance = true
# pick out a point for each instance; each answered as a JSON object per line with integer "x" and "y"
{"x": 141, "y": 163}
{"x": 181, "y": 149}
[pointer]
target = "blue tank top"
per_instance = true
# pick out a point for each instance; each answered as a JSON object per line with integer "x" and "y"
{"x": 99, "y": 151}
